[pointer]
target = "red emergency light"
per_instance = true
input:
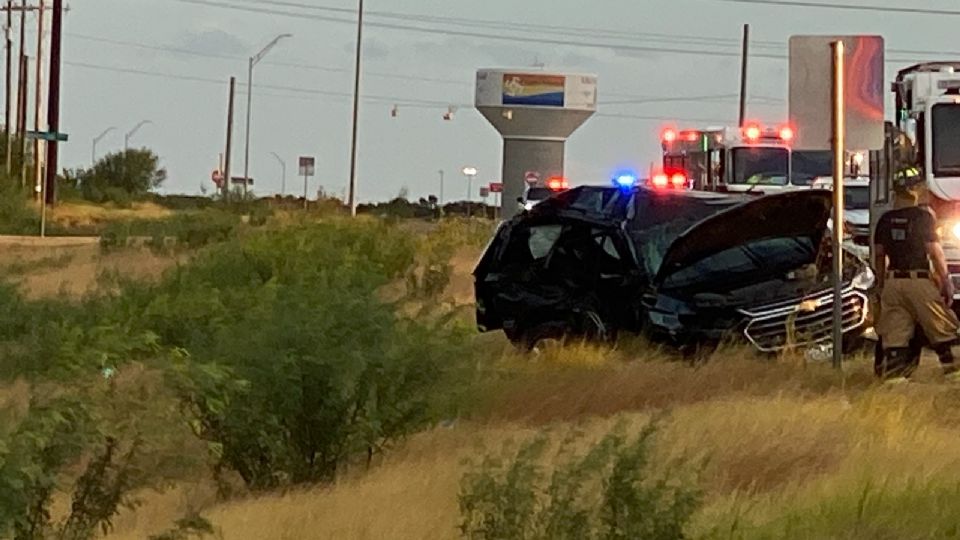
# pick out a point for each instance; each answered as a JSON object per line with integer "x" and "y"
{"x": 690, "y": 136}
{"x": 669, "y": 135}
{"x": 661, "y": 180}
{"x": 678, "y": 180}
{"x": 786, "y": 133}
{"x": 752, "y": 132}
{"x": 557, "y": 183}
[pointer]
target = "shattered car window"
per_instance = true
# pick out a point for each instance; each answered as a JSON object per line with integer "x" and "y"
{"x": 658, "y": 223}
{"x": 542, "y": 239}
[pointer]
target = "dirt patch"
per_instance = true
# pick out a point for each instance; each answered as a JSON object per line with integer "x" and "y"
{"x": 45, "y": 271}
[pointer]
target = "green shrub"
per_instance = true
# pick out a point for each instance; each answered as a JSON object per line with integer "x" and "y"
{"x": 607, "y": 493}
{"x": 296, "y": 367}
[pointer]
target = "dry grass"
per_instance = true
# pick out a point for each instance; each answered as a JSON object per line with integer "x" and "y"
{"x": 82, "y": 215}
{"x": 775, "y": 438}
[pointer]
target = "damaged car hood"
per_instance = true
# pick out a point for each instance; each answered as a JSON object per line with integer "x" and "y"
{"x": 801, "y": 213}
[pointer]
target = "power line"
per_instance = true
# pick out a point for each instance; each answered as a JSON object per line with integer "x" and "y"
{"x": 177, "y": 50}
{"x": 404, "y": 102}
{"x": 498, "y": 37}
{"x": 523, "y": 38}
{"x": 849, "y": 7}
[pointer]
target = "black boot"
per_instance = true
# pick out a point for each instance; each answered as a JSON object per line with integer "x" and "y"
{"x": 896, "y": 364}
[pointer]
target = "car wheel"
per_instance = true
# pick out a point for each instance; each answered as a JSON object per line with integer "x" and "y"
{"x": 543, "y": 336}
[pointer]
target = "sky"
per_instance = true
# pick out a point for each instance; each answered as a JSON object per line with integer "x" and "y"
{"x": 168, "y": 61}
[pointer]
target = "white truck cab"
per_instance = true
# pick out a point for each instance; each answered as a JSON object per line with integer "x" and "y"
{"x": 856, "y": 213}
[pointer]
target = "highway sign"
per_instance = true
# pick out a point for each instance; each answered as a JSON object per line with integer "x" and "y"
{"x": 307, "y": 166}
{"x": 496, "y": 187}
{"x": 47, "y": 136}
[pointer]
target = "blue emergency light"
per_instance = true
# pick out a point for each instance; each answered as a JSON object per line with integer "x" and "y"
{"x": 625, "y": 179}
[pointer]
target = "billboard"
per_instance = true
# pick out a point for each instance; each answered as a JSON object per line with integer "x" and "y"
{"x": 811, "y": 90}
{"x": 540, "y": 90}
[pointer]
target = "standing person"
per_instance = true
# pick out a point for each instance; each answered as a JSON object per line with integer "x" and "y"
{"x": 912, "y": 296}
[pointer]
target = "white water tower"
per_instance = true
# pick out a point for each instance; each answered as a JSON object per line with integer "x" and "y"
{"x": 535, "y": 112}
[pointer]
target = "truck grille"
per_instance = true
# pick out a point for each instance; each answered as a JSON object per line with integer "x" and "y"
{"x": 796, "y": 324}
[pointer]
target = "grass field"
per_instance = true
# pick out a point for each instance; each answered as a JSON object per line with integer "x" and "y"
{"x": 785, "y": 448}
{"x": 790, "y": 452}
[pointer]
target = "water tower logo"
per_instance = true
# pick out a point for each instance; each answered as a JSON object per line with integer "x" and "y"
{"x": 533, "y": 89}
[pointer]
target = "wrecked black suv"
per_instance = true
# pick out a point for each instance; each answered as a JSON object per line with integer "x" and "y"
{"x": 691, "y": 268}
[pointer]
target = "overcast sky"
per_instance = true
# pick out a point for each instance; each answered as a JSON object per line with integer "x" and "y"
{"x": 127, "y": 60}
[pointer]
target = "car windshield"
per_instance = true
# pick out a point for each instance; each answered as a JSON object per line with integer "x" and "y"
{"x": 946, "y": 140}
{"x": 660, "y": 221}
{"x": 856, "y": 197}
{"x": 808, "y": 165}
{"x": 753, "y": 260}
{"x": 760, "y": 166}
{"x": 538, "y": 193}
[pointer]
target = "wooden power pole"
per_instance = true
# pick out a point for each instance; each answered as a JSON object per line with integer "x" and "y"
{"x": 53, "y": 106}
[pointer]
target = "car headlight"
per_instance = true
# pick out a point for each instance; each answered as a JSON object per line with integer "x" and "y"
{"x": 865, "y": 280}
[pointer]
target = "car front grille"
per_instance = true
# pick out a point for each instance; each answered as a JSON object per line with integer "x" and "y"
{"x": 796, "y": 324}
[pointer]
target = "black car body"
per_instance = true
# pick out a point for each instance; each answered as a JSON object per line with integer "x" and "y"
{"x": 687, "y": 267}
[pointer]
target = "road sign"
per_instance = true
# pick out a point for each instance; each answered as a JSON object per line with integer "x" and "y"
{"x": 484, "y": 192}
{"x": 307, "y": 166}
{"x": 811, "y": 90}
{"x": 496, "y": 187}
{"x": 531, "y": 177}
{"x": 47, "y": 136}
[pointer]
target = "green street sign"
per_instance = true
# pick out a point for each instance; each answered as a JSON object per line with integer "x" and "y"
{"x": 47, "y": 136}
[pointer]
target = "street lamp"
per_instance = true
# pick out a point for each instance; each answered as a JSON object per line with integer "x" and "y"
{"x": 97, "y": 139}
{"x": 440, "y": 201}
{"x": 470, "y": 173}
{"x": 283, "y": 181}
{"x": 254, "y": 60}
{"x": 128, "y": 136}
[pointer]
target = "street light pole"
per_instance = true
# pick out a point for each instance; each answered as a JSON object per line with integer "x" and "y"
{"x": 283, "y": 180}
{"x": 131, "y": 133}
{"x": 470, "y": 173}
{"x": 442, "y": 173}
{"x": 254, "y": 60}
{"x": 97, "y": 139}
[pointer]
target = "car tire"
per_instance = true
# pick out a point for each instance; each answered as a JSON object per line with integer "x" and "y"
{"x": 534, "y": 339}
{"x": 589, "y": 326}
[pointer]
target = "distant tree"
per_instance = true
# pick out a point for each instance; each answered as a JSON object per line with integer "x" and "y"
{"x": 122, "y": 176}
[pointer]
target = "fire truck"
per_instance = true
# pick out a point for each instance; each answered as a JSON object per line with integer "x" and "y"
{"x": 925, "y": 133}
{"x": 754, "y": 158}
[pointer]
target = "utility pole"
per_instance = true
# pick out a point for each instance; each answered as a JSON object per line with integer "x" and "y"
{"x": 38, "y": 108}
{"x": 356, "y": 111}
{"x": 53, "y": 106}
{"x": 8, "y": 116}
{"x": 743, "y": 74}
{"x": 22, "y": 116}
{"x": 226, "y": 166}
